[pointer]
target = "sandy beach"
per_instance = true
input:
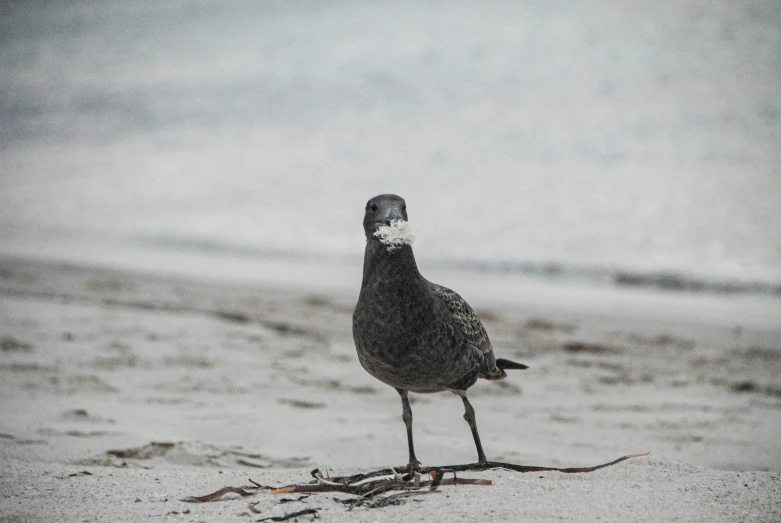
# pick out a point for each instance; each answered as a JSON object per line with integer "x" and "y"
{"x": 123, "y": 393}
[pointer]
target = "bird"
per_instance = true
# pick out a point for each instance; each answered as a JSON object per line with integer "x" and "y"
{"x": 410, "y": 333}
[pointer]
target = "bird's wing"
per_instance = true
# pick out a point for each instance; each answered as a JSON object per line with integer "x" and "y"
{"x": 465, "y": 317}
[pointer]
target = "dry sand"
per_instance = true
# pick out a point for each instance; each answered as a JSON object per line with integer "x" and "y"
{"x": 163, "y": 388}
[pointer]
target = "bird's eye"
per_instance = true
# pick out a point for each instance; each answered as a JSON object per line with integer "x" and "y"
{"x": 373, "y": 208}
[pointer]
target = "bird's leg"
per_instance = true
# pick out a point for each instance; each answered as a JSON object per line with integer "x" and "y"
{"x": 469, "y": 416}
{"x": 407, "y": 417}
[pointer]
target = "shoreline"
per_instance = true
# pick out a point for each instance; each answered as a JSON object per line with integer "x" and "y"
{"x": 169, "y": 255}
{"x": 512, "y": 291}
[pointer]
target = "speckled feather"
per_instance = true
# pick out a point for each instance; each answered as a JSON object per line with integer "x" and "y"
{"x": 476, "y": 337}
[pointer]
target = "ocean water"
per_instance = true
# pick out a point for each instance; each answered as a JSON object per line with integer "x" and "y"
{"x": 633, "y": 144}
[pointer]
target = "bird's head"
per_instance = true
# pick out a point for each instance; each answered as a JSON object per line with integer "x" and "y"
{"x": 386, "y": 221}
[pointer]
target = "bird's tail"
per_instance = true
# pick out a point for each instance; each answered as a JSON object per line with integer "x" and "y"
{"x": 510, "y": 365}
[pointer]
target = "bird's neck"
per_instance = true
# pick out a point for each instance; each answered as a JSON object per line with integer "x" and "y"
{"x": 396, "y": 267}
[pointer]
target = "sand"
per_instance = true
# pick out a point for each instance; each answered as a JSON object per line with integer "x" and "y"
{"x": 162, "y": 388}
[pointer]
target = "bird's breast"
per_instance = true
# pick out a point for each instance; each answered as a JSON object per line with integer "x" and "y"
{"x": 409, "y": 348}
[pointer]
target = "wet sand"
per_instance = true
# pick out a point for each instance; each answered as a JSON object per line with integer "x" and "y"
{"x": 163, "y": 388}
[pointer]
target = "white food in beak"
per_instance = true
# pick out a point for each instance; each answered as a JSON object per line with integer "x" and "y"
{"x": 395, "y": 235}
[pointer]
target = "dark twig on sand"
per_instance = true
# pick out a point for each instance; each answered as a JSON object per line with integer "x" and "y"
{"x": 82, "y": 473}
{"x": 259, "y": 486}
{"x": 214, "y": 496}
{"x": 291, "y": 500}
{"x": 489, "y": 465}
{"x": 373, "y": 484}
{"x": 372, "y": 489}
{"x": 312, "y": 511}
{"x": 357, "y": 483}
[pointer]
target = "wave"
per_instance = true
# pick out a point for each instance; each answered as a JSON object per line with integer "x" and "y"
{"x": 661, "y": 280}
{"x": 620, "y": 277}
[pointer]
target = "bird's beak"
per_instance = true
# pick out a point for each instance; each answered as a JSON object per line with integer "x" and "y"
{"x": 393, "y": 215}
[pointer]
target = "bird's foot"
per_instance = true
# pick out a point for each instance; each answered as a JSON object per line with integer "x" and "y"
{"x": 412, "y": 467}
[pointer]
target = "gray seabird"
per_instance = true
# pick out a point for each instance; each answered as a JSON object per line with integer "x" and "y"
{"x": 412, "y": 334}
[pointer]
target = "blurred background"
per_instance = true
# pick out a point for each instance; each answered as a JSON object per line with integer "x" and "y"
{"x": 631, "y": 143}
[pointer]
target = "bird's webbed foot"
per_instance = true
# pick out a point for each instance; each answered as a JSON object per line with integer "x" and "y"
{"x": 412, "y": 467}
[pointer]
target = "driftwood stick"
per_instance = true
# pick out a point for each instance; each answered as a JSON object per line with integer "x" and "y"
{"x": 526, "y": 468}
{"x": 218, "y": 494}
{"x": 490, "y": 465}
{"x": 310, "y": 511}
{"x": 376, "y": 483}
